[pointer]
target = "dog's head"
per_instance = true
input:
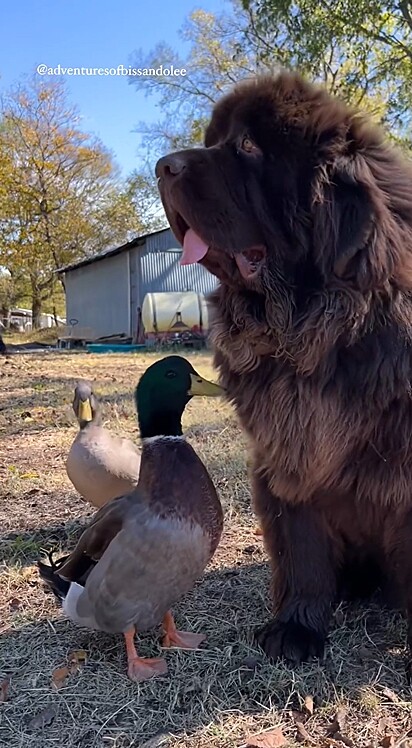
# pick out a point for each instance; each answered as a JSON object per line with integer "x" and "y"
{"x": 291, "y": 184}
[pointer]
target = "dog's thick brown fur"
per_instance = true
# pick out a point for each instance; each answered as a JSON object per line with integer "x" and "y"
{"x": 314, "y": 341}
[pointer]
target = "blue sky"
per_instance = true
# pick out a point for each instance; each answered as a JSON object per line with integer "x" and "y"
{"x": 94, "y": 33}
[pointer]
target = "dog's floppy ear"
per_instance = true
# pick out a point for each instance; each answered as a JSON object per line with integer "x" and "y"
{"x": 342, "y": 224}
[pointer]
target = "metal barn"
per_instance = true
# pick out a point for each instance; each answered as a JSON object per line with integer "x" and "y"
{"x": 104, "y": 292}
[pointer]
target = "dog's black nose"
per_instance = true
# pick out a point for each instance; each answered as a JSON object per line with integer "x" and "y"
{"x": 171, "y": 165}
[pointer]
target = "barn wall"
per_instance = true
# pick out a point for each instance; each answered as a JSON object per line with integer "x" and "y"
{"x": 105, "y": 295}
{"x": 98, "y": 296}
{"x": 156, "y": 267}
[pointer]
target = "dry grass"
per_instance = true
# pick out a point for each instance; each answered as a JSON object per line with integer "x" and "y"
{"x": 214, "y": 697}
{"x": 45, "y": 336}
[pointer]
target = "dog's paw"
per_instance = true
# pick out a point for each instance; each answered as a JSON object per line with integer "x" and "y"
{"x": 292, "y": 641}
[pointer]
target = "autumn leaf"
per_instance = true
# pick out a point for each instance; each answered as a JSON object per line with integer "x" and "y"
{"x": 366, "y": 653}
{"x": 269, "y": 739}
{"x": 302, "y": 735}
{"x": 308, "y": 703}
{"x": 4, "y": 690}
{"x": 383, "y": 724}
{"x": 338, "y": 724}
{"x": 391, "y": 695}
{"x": 43, "y": 718}
{"x": 75, "y": 661}
{"x": 343, "y": 739}
{"x": 59, "y": 676}
{"x": 251, "y": 663}
{"x": 389, "y": 741}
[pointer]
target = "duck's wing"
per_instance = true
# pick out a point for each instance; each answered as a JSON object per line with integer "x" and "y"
{"x": 95, "y": 540}
{"x": 146, "y": 569}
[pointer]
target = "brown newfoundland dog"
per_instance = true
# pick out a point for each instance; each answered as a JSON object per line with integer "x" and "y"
{"x": 304, "y": 212}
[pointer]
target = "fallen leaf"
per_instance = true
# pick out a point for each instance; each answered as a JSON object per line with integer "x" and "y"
{"x": 29, "y": 475}
{"x": 391, "y": 695}
{"x": 302, "y": 735}
{"x": 308, "y": 703}
{"x": 269, "y": 739}
{"x": 343, "y": 739}
{"x": 43, "y": 718}
{"x": 77, "y": 658}
{"x": 4, "y": 690}
{"x": 75, "y": 661}
{"x": 59, "y": 676}
{"x": 366, "y": 653}
{"x": 298, "y": 716}
{"x": 389, "y": 741}
{"x": 156, "y": 741}
{"x": 338, "y": 724}
{"x": 383, "y": 724}
{"x": 252, "y": 662}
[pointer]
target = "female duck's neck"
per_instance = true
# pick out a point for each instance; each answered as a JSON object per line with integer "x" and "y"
{"x": 160, "y": 424}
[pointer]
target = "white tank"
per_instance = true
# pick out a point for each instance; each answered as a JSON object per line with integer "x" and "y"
{"x": 174, "y": 312}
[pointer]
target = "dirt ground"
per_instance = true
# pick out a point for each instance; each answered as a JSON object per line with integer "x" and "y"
{"x": 218, "y": 696}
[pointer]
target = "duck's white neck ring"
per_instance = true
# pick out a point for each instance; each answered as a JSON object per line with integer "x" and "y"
{"x": 162, "y": 437}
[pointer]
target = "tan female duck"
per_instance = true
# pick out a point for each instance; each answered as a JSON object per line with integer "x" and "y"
{"x": 101, "y": 465}
{"x": 143, "y": 551}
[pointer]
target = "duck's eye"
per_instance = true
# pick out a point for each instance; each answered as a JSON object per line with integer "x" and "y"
{"x": 171, "y": 374}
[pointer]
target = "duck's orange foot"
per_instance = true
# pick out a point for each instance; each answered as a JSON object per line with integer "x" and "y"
{"x": 180, "y": 639}
{"x": 143, "y": 668}
{"x": 183, "y": 640}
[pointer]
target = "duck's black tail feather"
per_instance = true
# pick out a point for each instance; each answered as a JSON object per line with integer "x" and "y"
{"x": 49, "y": 574}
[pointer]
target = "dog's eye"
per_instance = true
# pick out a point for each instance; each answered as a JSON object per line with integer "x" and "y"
{"x": 248, "y": 146}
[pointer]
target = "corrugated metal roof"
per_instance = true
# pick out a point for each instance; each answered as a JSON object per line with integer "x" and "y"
{"x": 139, "y": 241}
{"x": 162, "y": 241}
{"x": 162, "y": 271}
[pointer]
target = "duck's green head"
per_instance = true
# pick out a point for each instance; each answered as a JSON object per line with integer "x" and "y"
{"x": 85, "y": 404}
{"x": 163, "y": 392}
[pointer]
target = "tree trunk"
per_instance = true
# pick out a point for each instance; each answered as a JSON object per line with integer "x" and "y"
{"x": 5, "y": 315}
{"x": 36, "y": 304}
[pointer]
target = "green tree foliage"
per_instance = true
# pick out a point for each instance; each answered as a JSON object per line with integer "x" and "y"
{"x": 60, "y": 196}
{"x": 142, "y": 192}
{"x": 360, "y": 50}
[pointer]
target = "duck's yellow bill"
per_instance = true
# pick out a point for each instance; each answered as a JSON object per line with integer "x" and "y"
{"x": 200, "y": 386}
{"x": 85, "y": 411}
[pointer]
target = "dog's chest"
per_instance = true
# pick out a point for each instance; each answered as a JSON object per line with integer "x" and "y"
{"x": 301, "y": 433}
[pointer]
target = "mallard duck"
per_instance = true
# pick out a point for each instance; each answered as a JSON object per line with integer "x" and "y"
{"x": 143, "y": 551}
{"x": 101, "y": 465}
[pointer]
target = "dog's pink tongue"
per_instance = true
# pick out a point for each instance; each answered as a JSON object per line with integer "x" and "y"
{"x": 194, "y": 248}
